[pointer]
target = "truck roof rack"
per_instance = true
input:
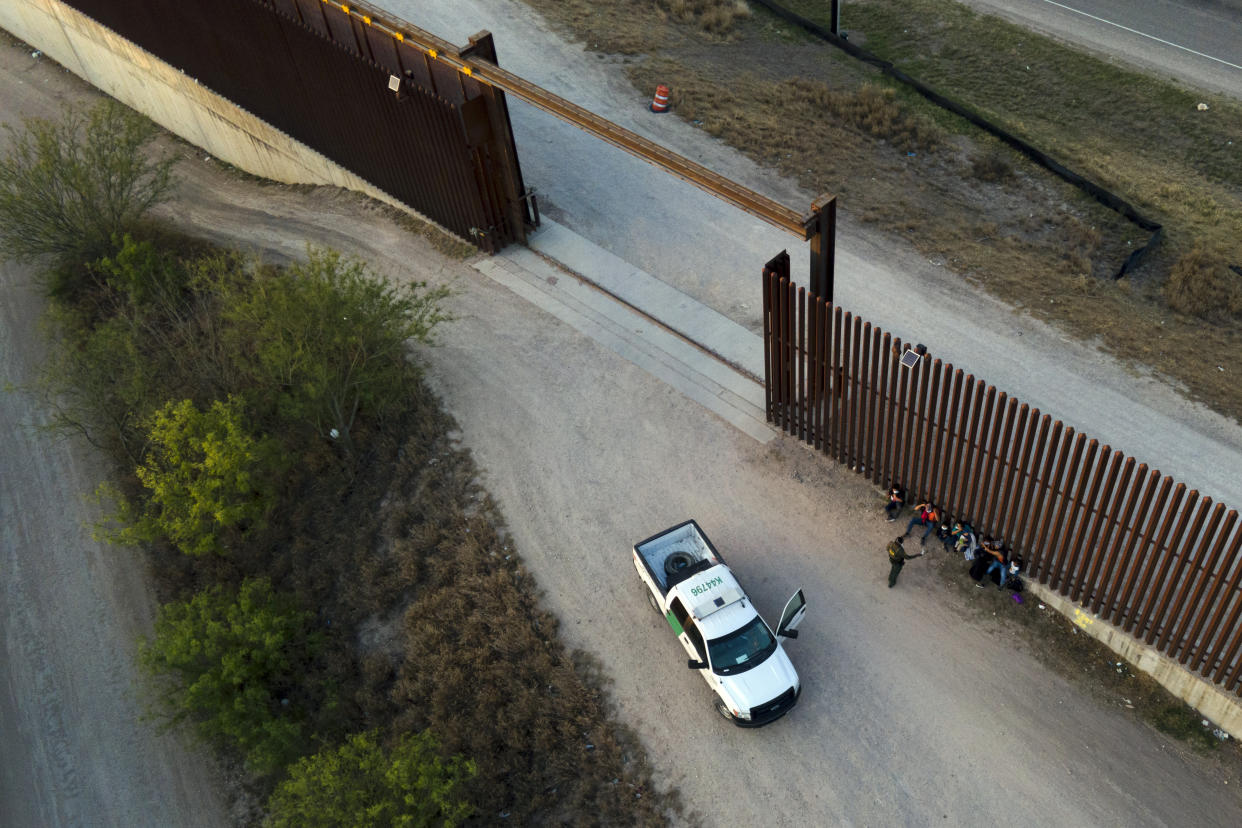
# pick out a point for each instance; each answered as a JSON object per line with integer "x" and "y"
{"x": 728, "y": 596}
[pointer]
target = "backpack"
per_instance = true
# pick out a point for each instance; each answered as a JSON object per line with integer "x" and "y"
{"x": 893, "y": 548}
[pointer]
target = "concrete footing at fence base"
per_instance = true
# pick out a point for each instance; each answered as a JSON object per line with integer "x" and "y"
{"x": 1222, "y": 709}
{"x": 174, "y": 100}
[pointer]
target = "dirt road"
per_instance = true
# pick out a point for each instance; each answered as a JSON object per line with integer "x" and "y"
{"x": 71, "y": 609}
{"x": 913, "y": 713}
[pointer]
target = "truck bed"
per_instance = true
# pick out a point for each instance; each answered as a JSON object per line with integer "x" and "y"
{"x": 685, "y": 538}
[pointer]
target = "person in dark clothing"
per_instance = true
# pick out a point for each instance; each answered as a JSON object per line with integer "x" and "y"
{"x": 943, "y": 529}
{"x": 897, "y": 558}
{"x": 896, "y": 499}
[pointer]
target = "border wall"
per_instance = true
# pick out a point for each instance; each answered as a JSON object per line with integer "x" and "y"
{"x": 1132, "y": 557}
{"x": 175, "y": 100}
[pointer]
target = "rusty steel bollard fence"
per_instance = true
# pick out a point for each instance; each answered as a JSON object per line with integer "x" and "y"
{"x": 1118, "y": 538}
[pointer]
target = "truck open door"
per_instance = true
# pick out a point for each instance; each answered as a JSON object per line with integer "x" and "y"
{"x": 795, "y": 609}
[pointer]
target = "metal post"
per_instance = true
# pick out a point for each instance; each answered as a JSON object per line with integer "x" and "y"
{"x": 835, "y": 13}
{"x": 518, "y": 202}
{"x": 822, "y": 232}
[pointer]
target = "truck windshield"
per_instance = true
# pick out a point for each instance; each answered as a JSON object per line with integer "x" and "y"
{"x": 741, "y": 649}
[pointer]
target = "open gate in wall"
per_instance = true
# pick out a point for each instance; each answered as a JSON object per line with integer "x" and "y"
{"x": 428, "y": 135}
{"x": 1121, "y": 540}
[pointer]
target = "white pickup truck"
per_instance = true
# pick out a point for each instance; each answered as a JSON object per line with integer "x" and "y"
{"x": 729, "y": 643}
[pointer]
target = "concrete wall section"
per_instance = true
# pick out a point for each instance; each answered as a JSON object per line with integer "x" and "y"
{"x": 174, "y": 100}
{"x": 1221, "y": 708}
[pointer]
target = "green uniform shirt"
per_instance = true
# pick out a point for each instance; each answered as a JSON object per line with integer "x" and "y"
{"x": 897, "y": 552}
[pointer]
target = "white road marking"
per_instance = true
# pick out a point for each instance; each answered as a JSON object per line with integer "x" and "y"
{"x": 1142, "y": 34}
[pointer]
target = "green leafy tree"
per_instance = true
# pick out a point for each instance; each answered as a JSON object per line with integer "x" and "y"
{"x": 134, "y": 345}
{"x": 360, "y": 785}
{"x": 232, "y": 660}
{"x": 67, "y": 188}
{"x": 98, "y": 383}
{"x": 327, "y": 340}
{"x": 146, "y": 276}
{"x": 205, "y": 476}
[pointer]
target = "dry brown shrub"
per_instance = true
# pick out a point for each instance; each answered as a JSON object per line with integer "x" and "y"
{"x": 871, "y": 109}
{"x": 991, "y": 167}
{"x": 714, "y": 16}
{"x": 1201, "y": 283}
{"x": 485, "y": 670}
{"x": 433, "y": 622}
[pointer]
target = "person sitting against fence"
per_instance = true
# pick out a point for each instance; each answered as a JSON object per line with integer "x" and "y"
{"x": 966, "y": 542}
{"x": 998, "y": 552}
{"x": 943, "y": 529}
{"x": 952, "y": 537}
{"x": 928, "y": 515}
{"x": 1015, "y": 566}
{"x": 1007, "y": 570}
{"x": 896, "y": 499}
{"x": 984, "y": 557}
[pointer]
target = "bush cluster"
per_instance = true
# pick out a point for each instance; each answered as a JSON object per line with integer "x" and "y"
{"x": 343, "y": 613}
{"x": 68, "y": 187}
{"x": 234, "y": 660}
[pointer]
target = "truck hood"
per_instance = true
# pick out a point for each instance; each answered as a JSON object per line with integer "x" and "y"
{"x": 760, "y": 685}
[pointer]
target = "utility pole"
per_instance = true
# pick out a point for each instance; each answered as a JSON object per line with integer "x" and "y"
{"x": 836, "y": 17}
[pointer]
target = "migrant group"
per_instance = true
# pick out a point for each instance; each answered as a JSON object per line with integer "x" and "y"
{"x": 991, "y": 561}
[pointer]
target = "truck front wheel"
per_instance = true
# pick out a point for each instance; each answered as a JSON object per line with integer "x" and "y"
{"x": 723, "y": 710}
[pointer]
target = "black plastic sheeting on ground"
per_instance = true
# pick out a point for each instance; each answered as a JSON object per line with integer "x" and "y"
{"x": 1108, "y": 199}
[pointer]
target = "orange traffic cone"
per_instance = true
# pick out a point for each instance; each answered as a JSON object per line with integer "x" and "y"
{"x": 660, "y": 102}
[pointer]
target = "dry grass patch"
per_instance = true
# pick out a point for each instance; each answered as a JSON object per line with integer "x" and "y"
{"x": 898, "y": 169}
{"x": 1203, "y": 284}
{"x": 871, "y": 109}
{"x": 991, "y": 167}
{"x": 618, "y": 28}
{"x": 714, "y": 16}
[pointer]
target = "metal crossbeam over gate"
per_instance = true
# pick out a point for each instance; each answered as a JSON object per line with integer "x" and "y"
{"x": 804, "y": 226}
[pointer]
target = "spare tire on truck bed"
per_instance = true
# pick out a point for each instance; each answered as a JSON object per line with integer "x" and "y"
{"x": 676, "y": 562}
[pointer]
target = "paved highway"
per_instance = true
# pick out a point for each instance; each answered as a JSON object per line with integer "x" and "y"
{"x": 1198, "y": 42}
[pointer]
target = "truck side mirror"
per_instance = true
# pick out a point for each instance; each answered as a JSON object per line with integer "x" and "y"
{"x": 789, "y": 633}
{"x": 696, "y": 665}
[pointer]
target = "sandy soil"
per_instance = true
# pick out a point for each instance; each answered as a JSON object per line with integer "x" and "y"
{"x": 913, "y": 713}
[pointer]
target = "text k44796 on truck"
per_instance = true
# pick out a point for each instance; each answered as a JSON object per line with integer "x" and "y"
{"x": 729, "y": 643}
